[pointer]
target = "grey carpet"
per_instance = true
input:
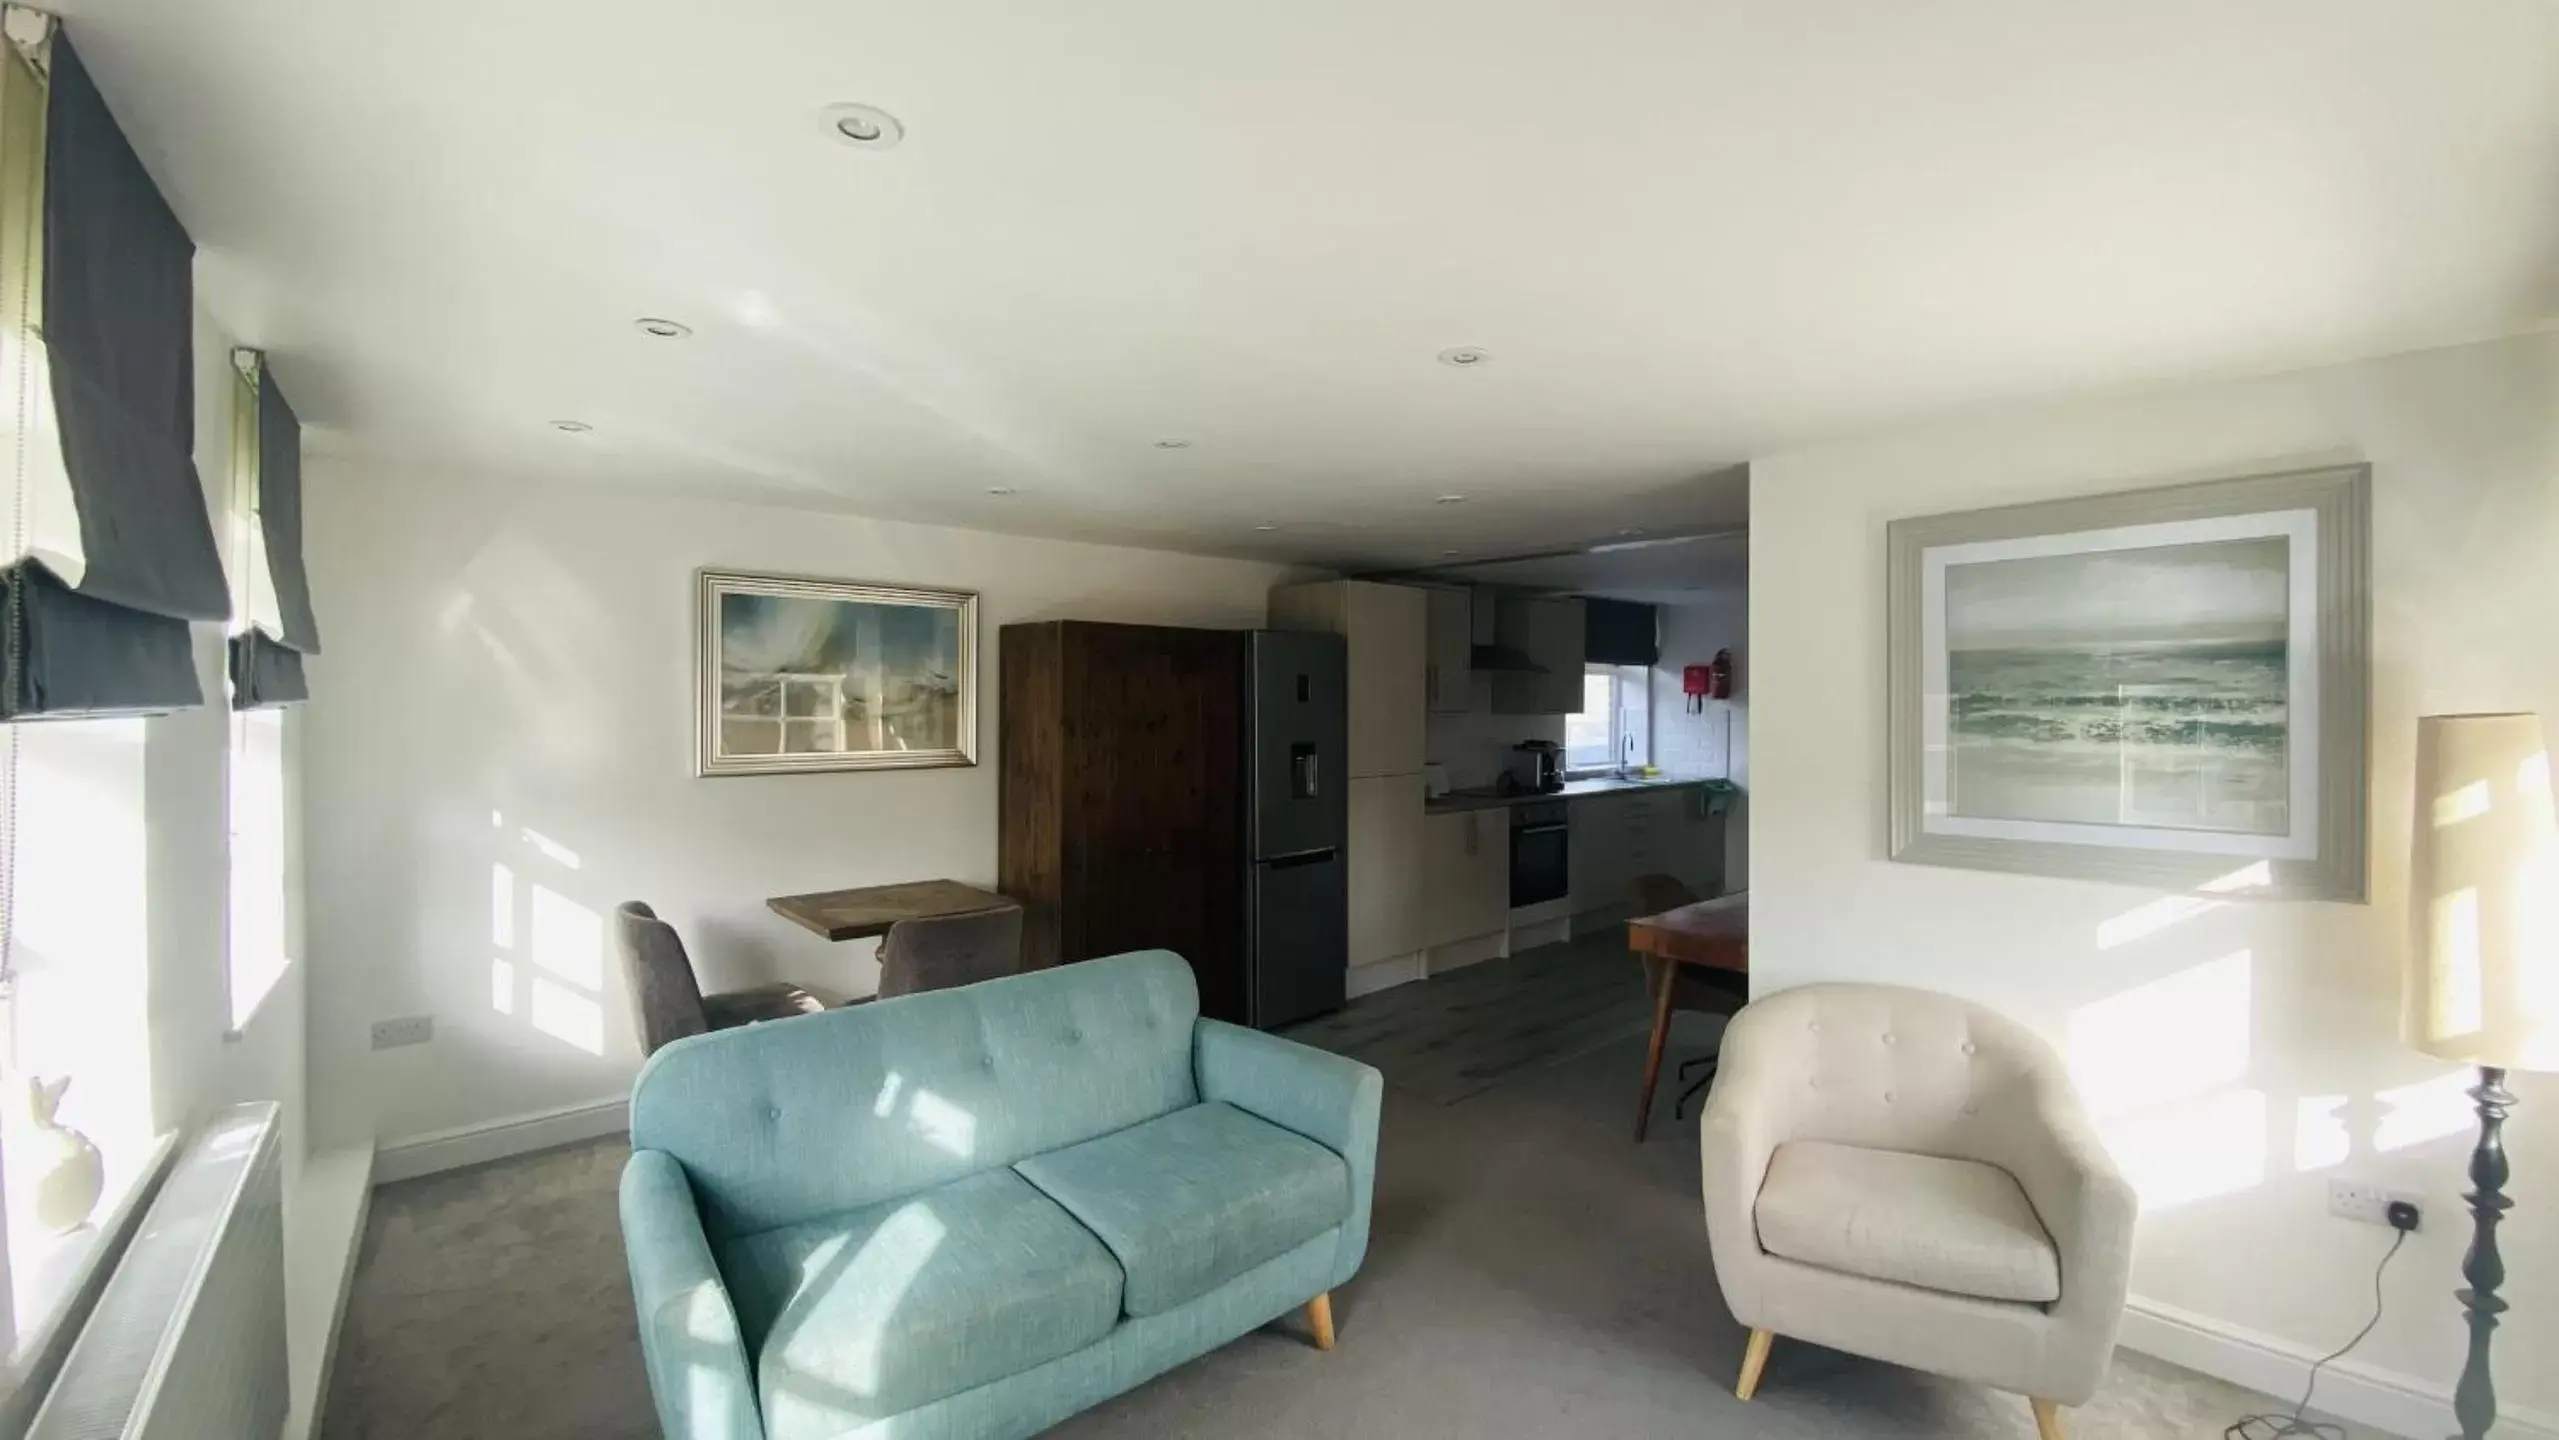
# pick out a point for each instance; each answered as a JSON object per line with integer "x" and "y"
{"x": 1466, "y": 1031}
{"x": 1533, "y": 1273}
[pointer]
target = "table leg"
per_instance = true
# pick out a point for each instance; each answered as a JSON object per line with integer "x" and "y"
{"x": 1665, "y": 972}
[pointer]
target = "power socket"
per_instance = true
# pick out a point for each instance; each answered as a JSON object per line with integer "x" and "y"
{"x": 2370, "y": 1204}
{"x": 405, "y": 1030}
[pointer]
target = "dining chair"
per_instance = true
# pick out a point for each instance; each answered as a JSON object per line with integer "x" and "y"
{"x": 944, "y": 951}
{"x": 666, "y": 997}
{"x": 1707, "y": 992}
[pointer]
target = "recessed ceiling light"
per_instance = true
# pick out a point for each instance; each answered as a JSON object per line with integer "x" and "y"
{"x": 662, "y": 328}
{"x": 571, "y": 427}
{"x": 999, "y": 490}
{"x": 1450, "y": 500}
{"x": 1630, "y": 530}
{"x": 865, "y": 126}
{"x": 1266, "y": 526}
{"x": 1465, "y": 357}
{"x": 1448, "y": 554}
{"x": 1172, "y": 444}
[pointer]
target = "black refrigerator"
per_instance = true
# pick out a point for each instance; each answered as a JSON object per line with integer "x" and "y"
{"x": 1296, "y": 814}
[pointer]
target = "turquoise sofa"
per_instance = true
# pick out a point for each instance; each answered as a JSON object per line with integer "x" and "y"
{"x": 974, "y": 1212}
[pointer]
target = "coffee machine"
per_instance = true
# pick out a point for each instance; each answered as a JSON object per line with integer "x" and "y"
{"x": 1536, "y": 768}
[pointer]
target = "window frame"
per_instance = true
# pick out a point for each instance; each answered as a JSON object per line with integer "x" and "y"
{"x": 1621, "y": 681}
{"x": 257, "y": 744}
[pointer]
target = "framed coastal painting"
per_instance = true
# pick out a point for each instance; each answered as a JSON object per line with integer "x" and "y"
{"x": 2163, "y": 687}
{"x": 793, "y": 674}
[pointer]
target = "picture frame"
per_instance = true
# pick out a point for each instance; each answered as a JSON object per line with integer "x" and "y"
{"x": 2167, "y": 688}
{"x": 794, "y": 674}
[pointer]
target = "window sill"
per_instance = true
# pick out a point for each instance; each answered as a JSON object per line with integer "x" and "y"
{"x": 56, "y": 1277}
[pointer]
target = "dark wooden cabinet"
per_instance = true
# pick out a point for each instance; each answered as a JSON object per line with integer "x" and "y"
{"x": 1121, "y": 795}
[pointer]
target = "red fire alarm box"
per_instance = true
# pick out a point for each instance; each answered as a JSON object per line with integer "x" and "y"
{"x": 1701, "y": 683}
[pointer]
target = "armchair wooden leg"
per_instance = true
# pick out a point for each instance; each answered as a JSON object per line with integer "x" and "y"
{"x": 1319, "y": 1318}
{"x": 2047, "y": 1420}
{"x": 1754, "y": 1360}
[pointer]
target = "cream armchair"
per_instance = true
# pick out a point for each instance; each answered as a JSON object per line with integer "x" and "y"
{"x": 1910, "y": 1177}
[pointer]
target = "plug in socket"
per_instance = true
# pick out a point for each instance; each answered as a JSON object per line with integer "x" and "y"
{"x": 404, "y": 1030}
{"x": 2369, "y": 1204}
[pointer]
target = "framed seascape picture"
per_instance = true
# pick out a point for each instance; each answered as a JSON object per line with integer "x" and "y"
{"x": 2164, "y": 687}
{"x": 792, "y": 674}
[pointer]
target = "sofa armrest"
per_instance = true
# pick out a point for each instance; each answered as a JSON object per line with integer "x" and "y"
{"x": 689, "y": 1338}
{"x": 2084, "y": 1201}
{"x": 1330, "y": 1100}
{"x": 1745, "y": 1120}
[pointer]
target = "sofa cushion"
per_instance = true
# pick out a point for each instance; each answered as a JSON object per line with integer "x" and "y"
{"x": 1192, "y": 1200}
{"x": 1956, "y": 1226}
{"x": 894, "y": 1305}
{"x": 779, "y": 1124}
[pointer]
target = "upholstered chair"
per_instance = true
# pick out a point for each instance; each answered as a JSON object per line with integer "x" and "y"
{"x": 1910, "y": 1177}
{"x": 667, "y": 1002}
{"x": 947, "y": 951}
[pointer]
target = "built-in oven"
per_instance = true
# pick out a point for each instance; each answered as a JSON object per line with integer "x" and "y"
{"x": 1541, "y": 853}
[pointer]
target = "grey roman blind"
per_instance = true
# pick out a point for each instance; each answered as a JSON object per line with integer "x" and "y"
{"x": 266, "y": 657}
{"x": 105, "y": 632}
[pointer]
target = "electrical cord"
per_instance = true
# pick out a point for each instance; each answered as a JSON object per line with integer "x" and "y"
{"x": 2288, "y": 1427}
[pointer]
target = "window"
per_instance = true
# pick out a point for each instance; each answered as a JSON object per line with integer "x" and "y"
{"x": 1614, "y": 727}
{"x": 258, "y": 955}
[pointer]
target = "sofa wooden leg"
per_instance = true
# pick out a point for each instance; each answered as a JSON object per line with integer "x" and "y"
{"x": 2047, "y": 1420}
{"x": 1319, "y": 1318}
{"x": 1754, "y": 1360}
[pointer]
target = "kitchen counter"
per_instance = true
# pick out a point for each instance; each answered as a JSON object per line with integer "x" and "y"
{"x": 1457, "y": 800}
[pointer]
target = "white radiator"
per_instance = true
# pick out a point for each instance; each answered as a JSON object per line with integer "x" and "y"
{"x": 187, "y": 1339}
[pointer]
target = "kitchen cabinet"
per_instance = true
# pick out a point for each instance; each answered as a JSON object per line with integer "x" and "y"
{"x": 1448, "y": 671}
{"x": 1697, "y": 852}
{"x": 1599, "y": 857}
{"x": 1621, "y": 835}
{"x": 1466, "y": 875}
{"x": 1388, "y": 878}
{"x": 1549, "y": 630}
{"x": 1385, "y": 628}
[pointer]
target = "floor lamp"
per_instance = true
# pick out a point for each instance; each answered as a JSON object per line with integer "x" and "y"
{"x": 2483, "y": 969}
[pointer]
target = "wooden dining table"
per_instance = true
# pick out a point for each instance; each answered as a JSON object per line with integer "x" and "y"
{"x": 1711, "y": 935}
{"x": 869, "y": 910}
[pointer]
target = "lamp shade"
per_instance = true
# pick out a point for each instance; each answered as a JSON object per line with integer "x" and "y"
{"x": 2483, "y": 963}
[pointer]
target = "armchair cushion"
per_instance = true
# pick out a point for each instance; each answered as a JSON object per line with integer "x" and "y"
{"x": 1956, "y": 1226}
{"x": 1193, "y": 1199}
{"x": 881, "y": 1309}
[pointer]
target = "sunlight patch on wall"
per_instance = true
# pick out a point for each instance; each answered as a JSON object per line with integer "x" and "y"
{"x": 551, "y": 850}
{"x": 2426, "y": 1110}
{"x": 2194, "y": 1149}
{"x": 2319, "y": 1135}
{"x": 2175, "y": 1038}
{"x": 567, "y": 939}
{"x": 567, "y": 1016}
{"x": 502, "y": 987}
{"x": 2150, "y": 919}
{"x": 502, "y": 906}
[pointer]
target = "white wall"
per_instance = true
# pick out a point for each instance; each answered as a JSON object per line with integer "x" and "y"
{"x": 1477, "y": 745}
{"x": 1716, "y": 740}
{"x": 525, "y": 654}
{"x": 2244, "y": 1054}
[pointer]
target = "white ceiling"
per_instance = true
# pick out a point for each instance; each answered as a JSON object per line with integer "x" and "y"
{"x": 1666, "y": 570}
{"x": 1689, "y": 231}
